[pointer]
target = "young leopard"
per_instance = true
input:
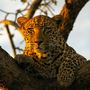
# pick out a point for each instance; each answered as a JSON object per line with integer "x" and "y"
{"x": 45, "y": 44}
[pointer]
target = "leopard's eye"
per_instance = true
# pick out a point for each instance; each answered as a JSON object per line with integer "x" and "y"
{"x": 30, "y": 30}
{"x": 47, "y": 30}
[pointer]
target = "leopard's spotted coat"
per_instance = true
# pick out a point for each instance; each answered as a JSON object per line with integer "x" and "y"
{"x": 45, "y": 44}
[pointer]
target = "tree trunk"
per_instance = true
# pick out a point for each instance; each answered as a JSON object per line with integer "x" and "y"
{"x": 14, "y": 77}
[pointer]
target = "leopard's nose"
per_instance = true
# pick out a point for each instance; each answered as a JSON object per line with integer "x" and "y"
{"x": 39, "y": 42}
{"x": 40, "y": 39}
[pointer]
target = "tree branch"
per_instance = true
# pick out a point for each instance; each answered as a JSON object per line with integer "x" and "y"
{"x": 69, "y": 14}
{"x": 11, "y": 40}
{"x": 11, "y": 75}
{"x": 14, "y": 77}
{"x": 83, "y": 77}
{"x": 9, "y": 22}
{"x": 34, "y": 6}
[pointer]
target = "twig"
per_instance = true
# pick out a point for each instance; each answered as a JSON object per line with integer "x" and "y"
{"x": 34, "y": 6}
{"x": 6, "y": 12}
{"x": 9, "y": 22}
{"x": 11, "y": 40}
{"x": 69, "y": 12}
{"x": 18, "y": 48}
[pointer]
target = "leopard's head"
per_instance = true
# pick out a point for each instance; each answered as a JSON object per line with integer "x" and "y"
{"x": 42, "y": 37}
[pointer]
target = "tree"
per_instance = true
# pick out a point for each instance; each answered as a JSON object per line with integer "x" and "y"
{"x": 13, "y": 74}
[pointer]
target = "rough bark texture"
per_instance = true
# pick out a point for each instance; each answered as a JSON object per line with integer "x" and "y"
{"x": 14, "y": 77}
{"x": 83, "y": 77}
{"x": 11, "y": 75}
{"x": 69, "y": 14}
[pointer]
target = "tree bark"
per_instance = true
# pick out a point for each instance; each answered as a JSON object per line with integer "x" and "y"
{"x": 83, "y": 77}
{"x": 69, "y": 14}
{"x": 11, "y": 76}
{"x": 34, "y": 6}
{"x": 14, "y": 77}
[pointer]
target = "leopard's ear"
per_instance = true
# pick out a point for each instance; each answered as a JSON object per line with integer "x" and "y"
{"x": 22, "y": 20}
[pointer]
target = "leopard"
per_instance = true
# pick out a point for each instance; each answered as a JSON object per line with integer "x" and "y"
{"x": 52, "y": 56}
